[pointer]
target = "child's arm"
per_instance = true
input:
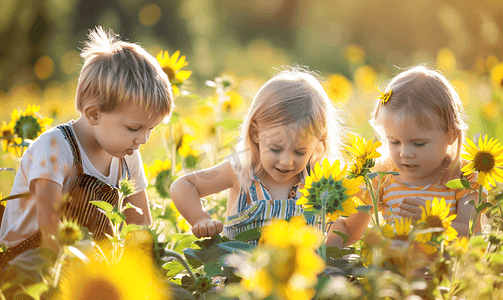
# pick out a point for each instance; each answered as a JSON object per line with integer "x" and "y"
{"x": 139, "y": 200}
{"x": 48, "y": 195}
{"x": 354, "y": 226}
{"x": 464, "y": 211}
{"x": 187, "y": 191}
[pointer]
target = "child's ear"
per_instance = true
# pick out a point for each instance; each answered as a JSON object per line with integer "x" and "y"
{"x": 92, "y": 113}
{"x": 254, "y": 133}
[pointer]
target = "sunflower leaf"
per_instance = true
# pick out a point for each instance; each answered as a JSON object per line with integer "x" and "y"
{"x": 308, "y": 214}
{"x": 458, "y": 184}
{"x": 236, "y": 246}
{"x": 229, "y": 124}
{"x": 107, "y": 207}
{"x": 372, "y": 175}
{"x": 248, "y": 235}
{"x": 382, "y": 174}
{"x": 364, "y": 208}
{"x": 213, "y": 269}
{"x": 482, "y": 206}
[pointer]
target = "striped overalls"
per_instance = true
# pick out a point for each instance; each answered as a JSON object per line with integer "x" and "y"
{"x": 76, "y": 205}
{"x": 260, "y": 209}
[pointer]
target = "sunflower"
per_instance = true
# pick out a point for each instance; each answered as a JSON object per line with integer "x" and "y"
{"x": 436, "y": 215}
{"x": 338, "y": 88}
{"x": 402, "y": 229}
{"x": 69, "y": 232}
{"x": 7, "y": 134}
{"x": 233, "y": 101}
{"x": 328, "y": 183}
{"x": 363, "y": 154}
{"x": 160, "y": 174}
{"x": 130, "y": 278}
{"x": 171, "y": 66}
{"x": 29, "y": 124}
{"x": 285, "y": 262}
{"x": 497, "y": 75}
{"x": 487, "y": 160}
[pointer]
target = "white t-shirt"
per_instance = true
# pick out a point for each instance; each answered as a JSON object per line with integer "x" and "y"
{"x": 50, "y": 157}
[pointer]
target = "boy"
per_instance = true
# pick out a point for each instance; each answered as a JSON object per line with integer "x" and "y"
{"x": 122, "y": 95}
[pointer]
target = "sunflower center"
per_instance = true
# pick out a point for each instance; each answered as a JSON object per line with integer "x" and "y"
{"x": 484, "y": 161}
{"x": 99, "y": 289}
{"x": 27, "y": 127}
{"x": 433, "y": 222}
{"x": 170, "y": 72}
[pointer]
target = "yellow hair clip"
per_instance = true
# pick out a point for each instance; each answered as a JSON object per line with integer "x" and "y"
{"x": 384, "y": 97}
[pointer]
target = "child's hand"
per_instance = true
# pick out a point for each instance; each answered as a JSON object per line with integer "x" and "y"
{"x": 411, "y": 208}
{"x": 207, "y": 228}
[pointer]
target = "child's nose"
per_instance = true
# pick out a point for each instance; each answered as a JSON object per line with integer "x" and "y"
{"x": 286, "y": 159}
{"x": 406, "y": 151}
{"x": 142, "y": 138}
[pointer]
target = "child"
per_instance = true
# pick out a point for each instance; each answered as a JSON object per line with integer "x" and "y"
{"x": 122, "y": 95}
{"x": 290, "y": 126}
{"x": 422, "y": 128}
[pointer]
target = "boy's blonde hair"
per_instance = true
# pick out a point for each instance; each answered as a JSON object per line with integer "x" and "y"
{"x": 431, "y": 98}
{"x": 116, "y": 74}
{"x": 292, "y": 97}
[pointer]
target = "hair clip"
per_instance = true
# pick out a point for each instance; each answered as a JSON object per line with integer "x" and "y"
{"x": 384, "y": 97}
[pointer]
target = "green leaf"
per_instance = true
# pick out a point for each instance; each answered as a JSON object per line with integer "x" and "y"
{"x": 36, "y": 290}
{"x": 308, "y": 214}
{"x": 482, "y": 206}
{"x": 116, "y": 217}
{"x": 128, "y": 228}
{"x": 236, "y": 246}
{"x": 184, "y": 241}
{"x": 382, "y": 174}
{"x": 229, "y": 124}
{"x": 364, "y": 208}
{"x": 213, "y": 269}
{"x": 248, "y": 235}
{"x": 344, "y": 236}
{"x": 458, "y": 184}
{"x": 372, "y": 175}
{"x": 208, "y": 252}
{"x": 173, "y": 267}
{"x": 499, "y": 197}
{"x": 107, "y": 207}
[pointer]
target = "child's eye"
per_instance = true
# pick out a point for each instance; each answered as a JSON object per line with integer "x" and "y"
{"x": 419, "y": 144}
{"x": 394, "y": 142}
{"x": 133, "y": 129}
{"x": 299, "y": 153}
{"x": 275, "y": 150}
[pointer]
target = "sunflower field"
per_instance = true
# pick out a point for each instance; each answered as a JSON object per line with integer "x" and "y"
{"x": 231, "y": 49}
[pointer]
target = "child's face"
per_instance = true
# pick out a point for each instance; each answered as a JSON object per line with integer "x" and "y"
{"x": 284, "y": 152}
{"x": 122, "y": 131}
{"x": 418, "y": 153}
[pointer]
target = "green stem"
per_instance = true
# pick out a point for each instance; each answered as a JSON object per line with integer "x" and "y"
{"x": 179, "y": 258}
{"x": 374, "y": 199}
{"x": 477, "y": 214}
{"x": 323, "y": 247}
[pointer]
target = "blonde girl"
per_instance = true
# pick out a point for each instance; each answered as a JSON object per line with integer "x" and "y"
{"x": 290, "y": 126}
{"x": 421, "y": 125}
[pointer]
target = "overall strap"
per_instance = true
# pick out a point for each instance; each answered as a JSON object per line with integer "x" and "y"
{"x": 68, "y": 134}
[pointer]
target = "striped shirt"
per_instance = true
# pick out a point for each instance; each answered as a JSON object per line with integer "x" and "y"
{"x": 393, "y": 194}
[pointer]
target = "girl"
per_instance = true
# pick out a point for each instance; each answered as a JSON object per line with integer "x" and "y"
{"x": 421, "y": 124}
{"x": 290, "y": 126}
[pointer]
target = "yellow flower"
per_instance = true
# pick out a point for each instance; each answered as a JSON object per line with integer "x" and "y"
{"x": 459, "y": 246}
{"x": 497, "y": 75}
{"x": 7, "y": 134}
{"x": 171, "y": 66}
{"x": 384, "y": 97}
{"x": 446, "y": 60}
{"x": 69, "y": 233}
{"x": 329, "y": 182}
{"x": 363, "y": 154}
{"x": 365, "y": 77}
{"x": 436, "y": 215}
{"x": 29, "y": 124}
{"x": 354, "y": 54}
{"x": 130, "y": 278}
{"x": 338, "y": 87}
{"x": 160, "y": 174}
{"x": 487, "y": 160}
{"x": 285, "y": 262}
{"x": 402, "y": 229}
{"x": 233, "y": 101}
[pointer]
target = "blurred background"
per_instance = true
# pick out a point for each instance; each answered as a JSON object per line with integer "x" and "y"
{"x": 353, "y": 44}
